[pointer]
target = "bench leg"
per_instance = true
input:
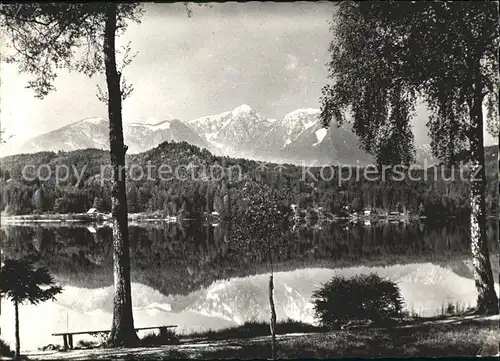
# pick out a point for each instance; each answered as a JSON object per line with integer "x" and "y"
{"x": 70, "y": 339}
{"x": 65, "y": 339}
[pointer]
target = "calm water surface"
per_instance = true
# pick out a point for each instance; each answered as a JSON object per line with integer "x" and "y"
{"x": 198, "y": 277}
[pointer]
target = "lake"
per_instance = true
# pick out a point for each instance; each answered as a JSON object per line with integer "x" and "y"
{"x": 196, "y": 276}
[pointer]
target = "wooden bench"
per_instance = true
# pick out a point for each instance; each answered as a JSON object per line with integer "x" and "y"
{"x": 68, "y": 336}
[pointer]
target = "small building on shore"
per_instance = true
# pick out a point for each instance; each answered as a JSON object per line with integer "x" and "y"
{"x": 96, "y": 214}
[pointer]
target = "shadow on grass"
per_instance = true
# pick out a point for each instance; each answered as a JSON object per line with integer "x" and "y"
{"x": 167, "y": 355}
{"x": 458, "y": 338}
{"x": 437, "y": 337}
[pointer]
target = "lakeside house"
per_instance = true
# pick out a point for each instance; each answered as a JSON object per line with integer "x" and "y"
{"x": 95, "y": 214}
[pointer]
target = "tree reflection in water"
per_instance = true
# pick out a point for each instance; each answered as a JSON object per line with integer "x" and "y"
{"x": 181, "y": 258}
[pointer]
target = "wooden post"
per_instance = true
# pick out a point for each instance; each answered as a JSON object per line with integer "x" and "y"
{"x": 70, "y": 339}
{"x": 65, "y": 339}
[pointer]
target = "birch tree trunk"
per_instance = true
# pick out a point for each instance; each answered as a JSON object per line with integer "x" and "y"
{"x": 18, "y": 340}
{"x": 272, "y": 324}
{"x": 122, "y": 330}
{"x": 487, "y": 301}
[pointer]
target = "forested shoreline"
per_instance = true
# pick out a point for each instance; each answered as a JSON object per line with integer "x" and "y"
{"x": 194, "y": 193}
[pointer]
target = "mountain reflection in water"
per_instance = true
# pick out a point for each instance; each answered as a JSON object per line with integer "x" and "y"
{"x": 195, "y": 276}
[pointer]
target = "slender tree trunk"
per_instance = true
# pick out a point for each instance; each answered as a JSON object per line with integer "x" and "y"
{"x": 487, "y": 301}
{"x": 18, "y": 340}
{"x": 122, "y": 330}
{"x": 272, "y": 324}
{"x": 273, "y": 316}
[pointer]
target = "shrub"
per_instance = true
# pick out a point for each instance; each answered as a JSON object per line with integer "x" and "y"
{"x": 165, "y": 337}
{"x": 89, "y": 344}
{"x": 255, "y": 329}
{"x": 364, "y": 297}
{"x": 5, "y": 350}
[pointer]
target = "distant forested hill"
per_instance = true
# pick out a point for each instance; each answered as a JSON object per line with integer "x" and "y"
{"x": 200, "y": 182}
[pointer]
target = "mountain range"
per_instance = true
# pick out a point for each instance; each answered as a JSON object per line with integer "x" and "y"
{"x": 297, "y": 138}
{"x": 94, "y": 133}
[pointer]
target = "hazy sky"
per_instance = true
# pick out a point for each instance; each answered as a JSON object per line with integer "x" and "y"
{"x": 270, "y": 56}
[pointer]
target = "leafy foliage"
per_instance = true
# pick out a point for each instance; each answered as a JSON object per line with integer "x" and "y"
{"x": 262, "y": 215}
{"x": 45, "y": 37}
{"x": 5, "y": 350}
{"x": 81, "y": 37}
{"x": 363, "y": 297}
{"x": 385, "y": 54}
{"x": 164, "y": 337}
{"x": 444, "y": 52}
{"x": 22, "y": 282}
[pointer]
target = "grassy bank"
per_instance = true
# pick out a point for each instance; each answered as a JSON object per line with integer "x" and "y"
{"x": 253, "y": 329}
{"x": 459, "y": 338}
{"x": 450, "y": 336}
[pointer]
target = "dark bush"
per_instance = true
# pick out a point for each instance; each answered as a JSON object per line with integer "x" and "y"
{"x": 165, "y": 337}
{"x": 364, "y": 297}
{"x": 5, "y": 350}
{"x": 89, "y": 344}
{"x": 255, "y": 329}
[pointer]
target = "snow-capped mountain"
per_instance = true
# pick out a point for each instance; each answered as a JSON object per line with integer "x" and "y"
{"x": 290, "y": 127}
{"x": 86, "y": 133}
{"x": 94, "y": 133}
{"x": 320, "y": 146}
{"x": 232, "y": 132}
{"x": 147, "y": 136}
{"x": 298, "y": 137}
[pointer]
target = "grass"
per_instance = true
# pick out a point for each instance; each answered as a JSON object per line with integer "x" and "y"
{"x": 164, "y": 337}
{"x": 462, "y": 338}
{"x": 422, "y": 337}
{"x": 445, "y": 310}
{"x": 83, "y": 344}
{"x": 436, "y": 337}
{"x": 451, "y": 309}
{"x": 254, "y": 329}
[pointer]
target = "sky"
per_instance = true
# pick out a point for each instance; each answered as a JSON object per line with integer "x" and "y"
{"x": 271, "y": 56}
